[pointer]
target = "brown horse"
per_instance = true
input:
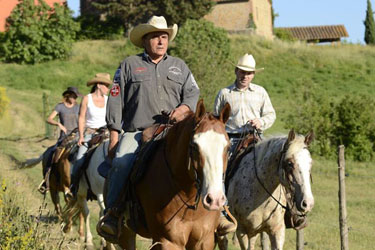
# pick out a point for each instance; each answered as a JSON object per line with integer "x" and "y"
{"x": 187, "y": 168}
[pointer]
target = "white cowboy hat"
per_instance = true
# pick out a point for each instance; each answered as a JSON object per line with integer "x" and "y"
{"x": 104, "y": 78}
{"x": 155, "y": 23}
{"x": 247, "y": 63}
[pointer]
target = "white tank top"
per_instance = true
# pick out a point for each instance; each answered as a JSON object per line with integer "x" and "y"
{"x": 95, "y": 117}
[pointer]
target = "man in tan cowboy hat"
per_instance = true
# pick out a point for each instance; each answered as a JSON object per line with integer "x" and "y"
{"x": 251, "y": 108}
{"x": 144, "y": 86}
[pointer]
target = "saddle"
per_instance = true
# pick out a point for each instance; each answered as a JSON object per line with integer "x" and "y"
{"x": 245, "y": 146}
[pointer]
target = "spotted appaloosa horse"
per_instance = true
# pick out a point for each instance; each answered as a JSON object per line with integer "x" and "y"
{"x": 182, "y": 191}
{"x": 280, "y": 167}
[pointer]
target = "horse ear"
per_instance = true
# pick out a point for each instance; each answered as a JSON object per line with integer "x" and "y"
{"x": 291, "y": 135}
{"x": 309, "y": 138}
{"x": 225, "y": 113}
{"x": 200, "y": 110}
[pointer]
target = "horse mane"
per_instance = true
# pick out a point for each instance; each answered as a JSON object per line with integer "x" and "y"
{"x": 275, "y": 143}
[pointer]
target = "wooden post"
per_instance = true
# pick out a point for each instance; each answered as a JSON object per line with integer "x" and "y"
{"x": 45, "y": 110}
{"x": 300, "y": 241}
{"x": 342, "y": 200}
{"x": 265, "y": 241}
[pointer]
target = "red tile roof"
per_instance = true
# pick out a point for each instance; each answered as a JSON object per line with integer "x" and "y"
{"x": 310, "y": 33}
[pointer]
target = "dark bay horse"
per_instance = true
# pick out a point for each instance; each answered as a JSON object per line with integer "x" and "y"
{"x": 182, "y": 192}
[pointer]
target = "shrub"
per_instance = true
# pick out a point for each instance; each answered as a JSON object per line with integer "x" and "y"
{"x": 94, "y": 28}
{"x": 349, "y": 121}
{"x": 37, "y": 33}
{"x": 4, "y": 102}
{"x": 203, "y": 47}
{"x": 284, "y": 35}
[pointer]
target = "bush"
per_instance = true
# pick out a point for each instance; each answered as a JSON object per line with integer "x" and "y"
{"x": 4, "y": 102}
{"x": 284, "y": 35}
{"x": 37, "y": 33}
{"x": 204, "y": 48}
{"x": 92, "y": 28}
{"x": 349, "y": 121}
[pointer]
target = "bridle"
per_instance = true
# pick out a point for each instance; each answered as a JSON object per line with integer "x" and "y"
{"x": 287, "y": 183}
{"x": 191, "y": 167}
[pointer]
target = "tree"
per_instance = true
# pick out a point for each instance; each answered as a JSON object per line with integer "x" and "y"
{"x": 37, "y": 33}
{"x": 133, "y": 12}
{"x": 369, "y": 25}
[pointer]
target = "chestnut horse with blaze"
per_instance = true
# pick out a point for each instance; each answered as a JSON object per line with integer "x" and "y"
{"x": 182, "y": 192}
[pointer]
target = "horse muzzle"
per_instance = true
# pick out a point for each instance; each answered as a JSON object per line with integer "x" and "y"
{"x": 214, "y": 201}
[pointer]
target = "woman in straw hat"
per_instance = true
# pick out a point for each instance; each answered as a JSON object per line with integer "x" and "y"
{"x": 91, "y": 117}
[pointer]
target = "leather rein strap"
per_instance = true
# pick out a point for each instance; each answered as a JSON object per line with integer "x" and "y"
{"x": 197, "y": 181}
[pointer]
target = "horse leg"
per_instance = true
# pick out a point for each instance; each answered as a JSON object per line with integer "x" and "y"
{"x": 127, "y": 239}
{"x": 252, "y": 240}
{"x": 86, "y": 217}
{"x": 207, "y": 243}
{"x": 277, "y": 238}
{"x": 222, "y": 242}
{"x": 56, "y": 201}
{"x": 243, "y": 239}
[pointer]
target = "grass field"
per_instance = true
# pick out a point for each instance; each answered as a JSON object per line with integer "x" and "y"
{"x": 333, "y": 70}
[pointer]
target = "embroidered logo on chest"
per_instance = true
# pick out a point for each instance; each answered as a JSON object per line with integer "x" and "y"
{"x": 115, "y": 90}
{"x": 140, "y": 70}
{"x": 174, "y": 70}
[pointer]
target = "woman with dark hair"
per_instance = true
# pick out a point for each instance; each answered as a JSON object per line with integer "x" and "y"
{"x": 67, "y": 111}
{"x": 91, "y": 117}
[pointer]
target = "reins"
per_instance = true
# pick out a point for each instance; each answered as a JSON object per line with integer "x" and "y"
{"x": 260, "y": 182}
{"x": 197, "y": 182}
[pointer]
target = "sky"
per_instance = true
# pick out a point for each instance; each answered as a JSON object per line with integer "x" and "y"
{"x": 350, "y": 13}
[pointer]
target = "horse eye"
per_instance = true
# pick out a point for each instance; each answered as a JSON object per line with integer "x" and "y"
{"x": 290, "y": 164}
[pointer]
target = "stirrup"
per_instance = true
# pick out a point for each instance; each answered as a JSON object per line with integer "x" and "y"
{"x": 41, "y": 188}
{"x": 108, "y": 237}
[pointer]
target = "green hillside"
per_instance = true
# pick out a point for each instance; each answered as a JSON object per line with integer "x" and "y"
{"x": 334, "y": 71}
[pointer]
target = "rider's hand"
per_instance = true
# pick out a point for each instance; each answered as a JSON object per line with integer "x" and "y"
{"x": 63, "y": 129}
{"x": 179, "y": 113}
{"x": 256, "y": 123}
{"x": 80, "y": 141}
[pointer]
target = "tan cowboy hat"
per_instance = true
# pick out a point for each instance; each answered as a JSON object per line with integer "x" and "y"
{"x": 247, "y": 63}
{"x": 155, "y": 23}
{"x": 104, "y": 78}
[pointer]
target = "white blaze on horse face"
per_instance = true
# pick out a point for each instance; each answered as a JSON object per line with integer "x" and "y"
{"x": 304, "y": 161}
{"x": 211, "y": 146}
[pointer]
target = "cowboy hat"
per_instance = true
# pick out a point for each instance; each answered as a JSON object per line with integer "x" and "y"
{"x": 154, "y": 24}
{"x": 104, "y": 78}
{"x": 247, "y": 63}
{"x": 73, "y": 90}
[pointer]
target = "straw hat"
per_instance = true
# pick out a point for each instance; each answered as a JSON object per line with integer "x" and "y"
{"x": 247, "y": 63}
{"x": 154, "y": 24}
{"x": 104, "y": 78}
{"x": 73, "y": 90}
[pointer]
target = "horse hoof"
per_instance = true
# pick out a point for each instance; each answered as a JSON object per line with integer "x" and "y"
{"x": 66, "y": 229}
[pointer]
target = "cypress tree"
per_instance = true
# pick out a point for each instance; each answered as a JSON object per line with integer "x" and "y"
{"x": 369, "y": 25}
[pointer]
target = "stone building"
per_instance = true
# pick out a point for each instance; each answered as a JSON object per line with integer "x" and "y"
{"x": 243, "y": 15}
{"x": 8, "y": 5}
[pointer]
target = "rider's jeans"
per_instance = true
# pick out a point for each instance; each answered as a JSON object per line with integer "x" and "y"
{"x": 126, "y": 153}
{"x": 80, "y": 159}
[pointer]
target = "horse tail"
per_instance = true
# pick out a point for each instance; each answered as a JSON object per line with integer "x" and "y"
{"x": 71, "y": 210}
{"x": 30, "y": 163}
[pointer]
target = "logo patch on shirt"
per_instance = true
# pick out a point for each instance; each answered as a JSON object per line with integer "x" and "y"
{"x": 140, "y": 70}
{"x": 116, "y": 77}
{"x": 115, "y": 90}
{"x": 175, "y": 70}
{"x": 193, "y": 82}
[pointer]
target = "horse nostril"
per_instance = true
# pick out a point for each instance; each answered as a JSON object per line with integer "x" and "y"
{"x": 304, "y": 204}
{"x": 208, "y": 199}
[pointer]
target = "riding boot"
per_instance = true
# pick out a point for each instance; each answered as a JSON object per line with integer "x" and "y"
{"x": 109, "y": 226}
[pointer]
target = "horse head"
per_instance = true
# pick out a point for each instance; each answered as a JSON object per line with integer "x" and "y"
{"x": 295, "y": 170}
{"x": 208, "y": 152}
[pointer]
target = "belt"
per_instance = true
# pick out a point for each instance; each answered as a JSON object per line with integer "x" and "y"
{"x": 234, "y": 135}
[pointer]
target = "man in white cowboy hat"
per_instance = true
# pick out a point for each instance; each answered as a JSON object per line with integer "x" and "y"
{"x": 251, "y": 108}
{"x": 144, "y": 86}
